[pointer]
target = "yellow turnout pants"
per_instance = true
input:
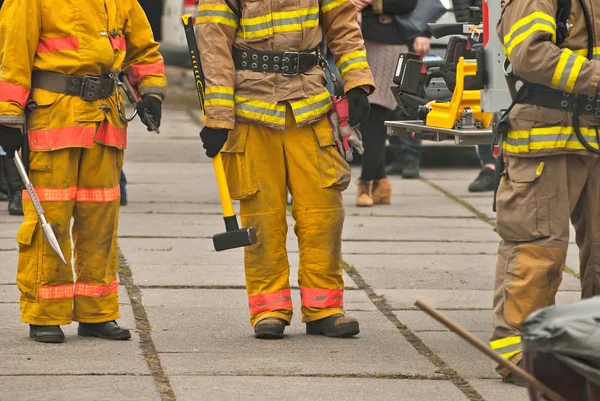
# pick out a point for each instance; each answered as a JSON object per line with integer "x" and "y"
{"x": 261, "y": 164}
{"x": 82, "y": 184}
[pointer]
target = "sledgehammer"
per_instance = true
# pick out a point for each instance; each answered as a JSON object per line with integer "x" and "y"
{"x": 234, "y": 237}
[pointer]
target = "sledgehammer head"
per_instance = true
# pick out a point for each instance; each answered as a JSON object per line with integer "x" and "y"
{"x": 234, "y": 237}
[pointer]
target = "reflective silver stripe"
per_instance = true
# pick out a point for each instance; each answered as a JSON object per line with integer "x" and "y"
{"x": 509, "y": 349}
{"x": 311, "y": 107}
{"x": 346, "y": 63}
{"x": 526, "y": 27}
{"x": 279, "y": 22}
{"x": 261, "y": 110}
{"x": 218, "y": 95}
{"x": 562, "y": 84}
{"x": 216, "y": 13}
{"x": 256, "y": 27}
{"x": 548, "y": 138}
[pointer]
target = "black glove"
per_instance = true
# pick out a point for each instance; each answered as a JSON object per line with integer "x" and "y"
{"x": 213, "y": 140}
{"x": 150, "y": 109}
{"x": 11, "y": 140}
{"x": 358, "y": 106}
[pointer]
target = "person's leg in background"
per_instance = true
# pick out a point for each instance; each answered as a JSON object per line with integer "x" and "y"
{"x": 14, "y": 186}
{"x": 485, "y": 180}
{"x": 3, "y": 186}
{"x": 123, "y": 187}
{"x": 154, "y": 11}
{"x": 406, "y": 153}
{"x": 374, "y": 136}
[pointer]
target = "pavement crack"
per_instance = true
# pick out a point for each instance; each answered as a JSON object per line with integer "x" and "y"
{"x": 383, "y": 307}
{"x": 208, "y": 287}
{"x": 144, "y": 328}
{"x": 327, "y": 375}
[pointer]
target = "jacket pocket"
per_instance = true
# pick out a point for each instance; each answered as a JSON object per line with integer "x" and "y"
{"x": 523, "y": 211}
{"x": 256, "y": 24}
{"x": 333, "y": 168}
{"x": 238, "y": 164}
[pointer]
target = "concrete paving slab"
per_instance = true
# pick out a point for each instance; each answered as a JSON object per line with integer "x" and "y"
{"x": 429, "y": 206}
{"x": 460, "y": 187}
{"x": 80, "y": 388}
{"x": 19, "y": 355}
{"x": 400, "y": 187}
{"x": 227, "y": 341}
{"x": 194, "y": 210}
{"x": 496, "y": 390}
{"x": 472, "y": 320}
{"x": 454, "y": 299}
{"x": 8, "y": 270}
{"x": 408, "y": 223}
{"x": 418, "y": 234}
{"x": 166, "y": 150}
{"x": 7, "y": 244}
{"x": 449, "y": 174}
{"x": 419, "y": 247}
{"x": 460, "y": 355}
{"x": 458, "y": 272}
{"x": 311, "y": 389}
{"x": 9, "y": 229}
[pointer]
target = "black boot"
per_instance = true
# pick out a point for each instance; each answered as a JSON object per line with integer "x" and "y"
{"x": 15, "y": 187}
{"x": 270, "y": 328}
{"x": 108, "y": 330}
{"x": 484, "y": 182}
{"x": 411, "y": 169}
{"x": 3, "y": 186}
{"x": 339, "y": 326}
{"x": 46, "y": 334}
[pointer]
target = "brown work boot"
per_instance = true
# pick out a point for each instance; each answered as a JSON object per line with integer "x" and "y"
{"x": 508, "y": 376}
{"x": 364, "y": 196}
{"x": 339, "y": 326}
{"x": 270, "y": 328}
{"x": 382, "y": 192}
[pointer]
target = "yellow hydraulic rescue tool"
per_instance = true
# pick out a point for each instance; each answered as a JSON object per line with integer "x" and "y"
{"x": 234, "y": 237}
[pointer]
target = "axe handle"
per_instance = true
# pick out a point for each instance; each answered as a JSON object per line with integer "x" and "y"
{"x": 477, "y": 343}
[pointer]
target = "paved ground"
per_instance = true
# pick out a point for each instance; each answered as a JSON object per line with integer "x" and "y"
{"x": 187, "y": 305}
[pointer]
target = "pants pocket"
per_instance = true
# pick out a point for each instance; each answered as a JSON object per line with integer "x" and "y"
{"x": 27, "y": 275}
{"x": 239, "y": 164}
{"x": 523, "y": 212}
{"x": 333, "y": 168}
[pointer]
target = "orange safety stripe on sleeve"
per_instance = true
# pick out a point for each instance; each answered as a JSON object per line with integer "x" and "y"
{"x": 270, "y": 301}
{"x": 322, "y": 298}
{"x": 111, "y": 136}
{"x": 98, "y": 194}
{"x": 47, "y": 292}
{"x": 10, "y": 92}
{"x": 58, "y": 44}
{"x": 137, "y": 72}
{"x": 96, "y": 290}
{"x": 118, "y": 43}
{"x": 53, "y": 194}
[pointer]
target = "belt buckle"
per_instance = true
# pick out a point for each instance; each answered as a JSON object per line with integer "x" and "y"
{"x": 293, "y": 57}
{"x": 90, "y": 88}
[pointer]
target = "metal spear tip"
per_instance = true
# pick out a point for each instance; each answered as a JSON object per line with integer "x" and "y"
{"x": 49, "y": 233}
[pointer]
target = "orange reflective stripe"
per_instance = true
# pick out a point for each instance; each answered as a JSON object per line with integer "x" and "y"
{"x": 53, "y": 194}
{"x": 137, "y": 72}
{"x": 58, "y": 138}
{"x": 322, "y": 298}
{"x": 10, "y": 92}
{"x": 111, "y": 136}
{"x": 270, "y": 301}
{"x": 46, "y": 292}
{"x": 98, "y": 194}
{"x": 118, "y": 43}
{"x": 58, "y": 44}
{"x": 96, "y": 290}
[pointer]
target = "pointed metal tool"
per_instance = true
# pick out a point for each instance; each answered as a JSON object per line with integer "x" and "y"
{"x": 48, "y": 232}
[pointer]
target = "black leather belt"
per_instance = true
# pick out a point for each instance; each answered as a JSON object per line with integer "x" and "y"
{"x": 543, "y": 96}
{"x": 286, "y": 63}
{"x": 89, "y": 88}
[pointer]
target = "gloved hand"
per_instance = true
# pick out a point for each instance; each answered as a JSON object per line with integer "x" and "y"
{"x": 11, "y": 140}
{"x": 347, "y": 139}
{"x": 358, "y": 106}
{"x": 213, "y": 140}
{"x": 150, "y": 108}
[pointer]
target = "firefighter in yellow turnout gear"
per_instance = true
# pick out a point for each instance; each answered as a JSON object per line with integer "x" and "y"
{"x": 550, "y": 176}
{"x": 266, "y": 110}
{"x": 58, "y": 62}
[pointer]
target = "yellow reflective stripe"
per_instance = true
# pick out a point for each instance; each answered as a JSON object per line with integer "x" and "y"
{"x": 509, "y": 355}
{"x": 312, "y": 107}
{"x": 554, "y": 137}
{"x": 216, "y": 14}
{"x": 572, "y": 145}
{"x": 583, "y": 52}
{"x": 259, "y": 110}
{"x": 504, "y": 342}
{"x": 329, "y": 5}
{"x": 219, "y": 89}
{"x": 567, "y": 70}
{"x": 536, "y": 17}
{"x": 279, "y": 22}
{"x": 352, "y": 61}
{"x": 219, "y": 96}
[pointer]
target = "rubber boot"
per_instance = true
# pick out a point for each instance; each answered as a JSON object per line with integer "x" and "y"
{"x": 269, "y": 328}
{"x": 338, "y": 326}
{"x": 364, "y": 196}
{"x": 46, "y": 334}
{"x": 3, "y": 186}
{"x": 382, "y": 192}
{"x": 107, "y": 330}
{"x": 15, "y": 187}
